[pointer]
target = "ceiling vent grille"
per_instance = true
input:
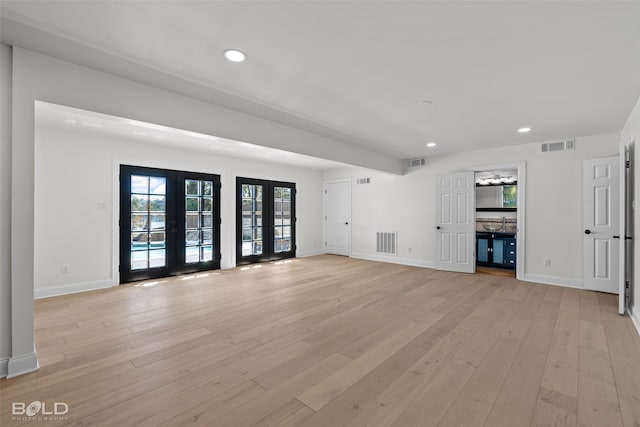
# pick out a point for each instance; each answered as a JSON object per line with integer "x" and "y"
{"x": 567, "y": 144}
{"x": 363, "y": 180}
{"x": 415, "y": 163}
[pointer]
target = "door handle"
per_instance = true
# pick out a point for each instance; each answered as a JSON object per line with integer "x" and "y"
{"x": 587, "y": 231}
{"x": 346, "y": 223}
{"x": 438, "y": 227}
{"x": 616, "y": 237}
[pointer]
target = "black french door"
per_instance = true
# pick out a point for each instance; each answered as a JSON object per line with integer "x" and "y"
{"x": 169, "y": 222}
{"x": 266, "y": 220}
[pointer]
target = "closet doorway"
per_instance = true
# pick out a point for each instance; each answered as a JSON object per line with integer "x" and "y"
{"x": 500, "y": 219}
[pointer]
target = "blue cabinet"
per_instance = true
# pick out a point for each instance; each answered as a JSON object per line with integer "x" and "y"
{"x": 496, "y": 250}
{"x": 483, "y": 249}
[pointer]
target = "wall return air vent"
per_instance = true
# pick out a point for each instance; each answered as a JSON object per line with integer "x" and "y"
{"x": 415, "y": 163}
{"x": 567, "y": 144}
{"x": 387, "y": 242}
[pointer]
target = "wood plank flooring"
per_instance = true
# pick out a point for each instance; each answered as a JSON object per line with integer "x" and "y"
{"x": 495, "y": 271}
{"x": 333, "y": 341}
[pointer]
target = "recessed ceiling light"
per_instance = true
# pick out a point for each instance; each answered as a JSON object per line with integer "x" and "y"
{"x": 524, "y": 130}
{"x": 234, "y": 55}
{"x": 431, "y": 144}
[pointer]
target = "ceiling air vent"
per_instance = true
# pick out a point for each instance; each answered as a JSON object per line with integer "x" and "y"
{"x": 567, "y": 144}
{"x": 415, "y": 163}
{"x": 363, "y": 180}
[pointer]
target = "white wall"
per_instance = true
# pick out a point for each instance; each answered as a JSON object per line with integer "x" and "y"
{"x": 5, "y": 207}
{"x": 406, "y": 204}
{"x": 69, "y": 211}
{"x": 39, "y": 77}
{"x": 631, "y": 135}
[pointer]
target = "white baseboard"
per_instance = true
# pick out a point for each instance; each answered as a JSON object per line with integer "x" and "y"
{"x": 634, "y": 318}
{"x": 309, "y": 253}
{"x": 22, "y": 364}
{"x": 553, "y": 280}
{"x": 394, "y": 260}
{"x": 538, "y": 278}
{"x": 4, "y": 367}
{"x": 72, "y": 288}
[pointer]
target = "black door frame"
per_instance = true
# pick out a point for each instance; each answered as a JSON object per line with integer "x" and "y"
{"x": 175, "y": 235}
{"x": 268, "y": 251}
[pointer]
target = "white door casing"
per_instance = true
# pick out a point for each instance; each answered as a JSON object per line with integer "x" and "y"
{"x": 626, "y": 224}
{"x": 455, "y": 222}
{"x": 337, "y": 217}
{"x": 601, "y": 222}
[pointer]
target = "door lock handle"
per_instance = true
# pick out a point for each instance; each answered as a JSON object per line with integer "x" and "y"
{"x": 587, "y": 231}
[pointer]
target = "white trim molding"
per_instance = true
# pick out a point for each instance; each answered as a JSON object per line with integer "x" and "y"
{"x": 304, "y": 254}
{"x": 4, "y": 367}
{"x": 521, "y": 167}
{"x": 72, "y": 288}
{"x": 22, "y": 364}
{"x": 553, "y": 280}
{"x": 394, "y": 260}
{"x": 635, "y": 319}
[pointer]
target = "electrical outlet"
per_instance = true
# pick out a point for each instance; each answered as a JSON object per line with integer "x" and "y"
{"x": 547, "y": 262}
{"x": 65, "y": 268}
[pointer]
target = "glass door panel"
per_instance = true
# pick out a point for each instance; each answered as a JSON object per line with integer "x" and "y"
{"x": 251, "y": 219}
{"x": 282, "y": 219}
{"x": 169, "y": 222}
{"x": 143, "y": 223}
{"x": 265, "y": 229}
{"x": 199, "y": 213}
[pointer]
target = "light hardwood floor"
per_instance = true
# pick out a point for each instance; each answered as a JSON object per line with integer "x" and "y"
{"x": 331, "y": 341}
{"x": 495, "y": 271}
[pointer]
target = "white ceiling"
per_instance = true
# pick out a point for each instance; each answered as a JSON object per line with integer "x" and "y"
{"x": 53, "y": 116}
{"x": 357, "y": 71}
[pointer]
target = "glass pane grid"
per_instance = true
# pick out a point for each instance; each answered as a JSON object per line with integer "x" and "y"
{"x": 148, "y": 222}
{"x": 251, "y": 219}
{"x": 281, "y": 219}
{"x": 199, "y": 203}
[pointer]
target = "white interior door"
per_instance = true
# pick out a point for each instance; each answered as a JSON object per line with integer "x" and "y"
{"x": 601, "y": 247}
{"x": 337, "y": 217}
{"x": 455, "y": 222}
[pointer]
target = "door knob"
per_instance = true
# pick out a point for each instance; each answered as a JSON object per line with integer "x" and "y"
{"x": 438, "y": 227}
{"x": 587, "y": 231}
{"x": 346, "y": 223}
